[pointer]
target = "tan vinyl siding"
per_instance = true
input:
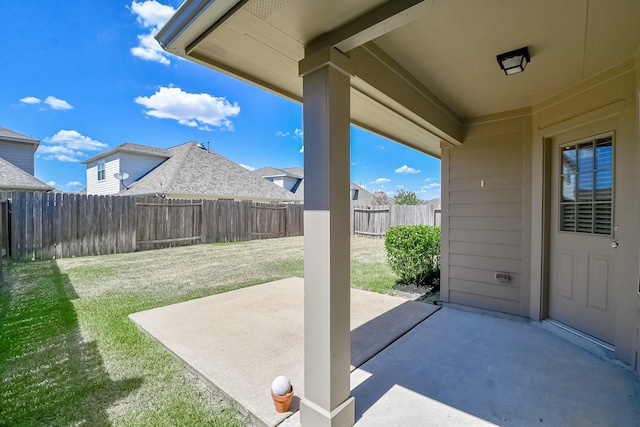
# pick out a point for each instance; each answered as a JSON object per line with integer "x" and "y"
{"x": 20, "y": 154}
{"x": 485, "y": 202}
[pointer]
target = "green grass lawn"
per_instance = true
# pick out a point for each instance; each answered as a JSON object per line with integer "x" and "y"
{"x": 69, "y": 355}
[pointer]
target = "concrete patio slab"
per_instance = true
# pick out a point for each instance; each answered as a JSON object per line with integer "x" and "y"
{"x": 462, "y": 368}
{"x": 240, "y": 341}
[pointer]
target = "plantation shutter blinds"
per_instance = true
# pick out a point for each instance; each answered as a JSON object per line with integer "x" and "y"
{"x": 587, "y": 187}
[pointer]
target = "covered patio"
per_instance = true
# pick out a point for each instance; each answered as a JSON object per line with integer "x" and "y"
{"x": 412, "y": 363}
{"x": 540, "y": 168}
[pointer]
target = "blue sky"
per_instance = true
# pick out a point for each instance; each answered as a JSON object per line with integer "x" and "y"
{"x": 83, "y": 77}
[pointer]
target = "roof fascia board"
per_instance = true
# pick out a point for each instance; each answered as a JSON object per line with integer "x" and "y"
{"x": 25, "y": 141}
{"x": 371, "y": 25}
{"x": 123, "y": 150}
{"x": 192, "y": 22}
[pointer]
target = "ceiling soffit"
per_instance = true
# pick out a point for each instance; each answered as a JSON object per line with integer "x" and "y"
{"x": 444, "y": 58}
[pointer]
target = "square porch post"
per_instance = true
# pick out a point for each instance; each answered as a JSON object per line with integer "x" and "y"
{"x": 327, "y": 343}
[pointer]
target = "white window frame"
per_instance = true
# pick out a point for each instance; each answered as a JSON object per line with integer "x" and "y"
{"x": 101, "y": 170}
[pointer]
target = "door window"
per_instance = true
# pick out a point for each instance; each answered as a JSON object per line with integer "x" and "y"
{"x": 587, "y": 186}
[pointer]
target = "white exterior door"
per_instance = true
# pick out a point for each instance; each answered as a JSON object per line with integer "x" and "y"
{"x": 582, "y": 268}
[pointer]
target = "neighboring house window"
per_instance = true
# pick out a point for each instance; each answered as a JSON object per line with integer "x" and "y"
{"x": 354, "y": 194}
{"x": 587, "y": 186}
{"x": 101, "y": 170}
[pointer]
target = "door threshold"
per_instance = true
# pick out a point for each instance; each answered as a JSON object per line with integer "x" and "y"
{"x": 591, "y": 344}
{"x": 580, "y": 334}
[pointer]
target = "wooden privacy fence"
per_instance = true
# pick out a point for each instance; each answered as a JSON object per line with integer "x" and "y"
{"x": 57, "y": 225}
{"x": 4, "y": 232}
{"x": 374, "y": 221}
{"x": 60, "y": 225}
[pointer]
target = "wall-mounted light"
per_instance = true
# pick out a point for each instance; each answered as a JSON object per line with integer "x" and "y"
{"x": 514, "y": 62}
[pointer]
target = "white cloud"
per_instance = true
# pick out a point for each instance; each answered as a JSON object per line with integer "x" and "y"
{"x": 57, "y": 103}
{"x": 62, "y": 158}
{"x": 152, "y": 15}
{"x": 68, "y": 146}
{"x": 280, "y": 133}
{"x": 149, "y": 50}
{"x": 74, "y": 184}
{"x": 31, "y": 100}
{"x": 301, "y": 149}
{"x": 51, "y": 183}
{"x": 251, "y": 168}
{"x": 381, "y": 181}
{"x": 431, "y": 191}
{"x": 190, "y": 109}
{"x": 298, "y": 132}
{"x": 404, "y": 169}
{"x": 74, "y": 140}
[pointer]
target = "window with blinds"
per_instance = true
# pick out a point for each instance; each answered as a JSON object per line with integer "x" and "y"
{"x": 586, "y": 184}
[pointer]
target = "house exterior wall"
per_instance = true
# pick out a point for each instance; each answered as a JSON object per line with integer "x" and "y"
{"x": 484, "y": 210}
{"x": 19, "y": 154}
{"x": 289, "y": 183}
{"x": 137, "y": 165}
{"x": 606, "y": 103}
{"x": 109, "y": 185}
{"x": 503, "y": 225}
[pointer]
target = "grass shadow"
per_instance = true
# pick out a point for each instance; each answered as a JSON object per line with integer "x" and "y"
{"x": 50, "y": 375}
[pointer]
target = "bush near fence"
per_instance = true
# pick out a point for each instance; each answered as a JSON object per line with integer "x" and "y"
{"x": 413, "y": 253}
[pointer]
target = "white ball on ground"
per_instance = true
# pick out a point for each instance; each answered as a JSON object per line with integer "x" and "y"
{"x": 280, "y": 385}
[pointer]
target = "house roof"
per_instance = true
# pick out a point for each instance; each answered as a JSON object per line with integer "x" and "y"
{"x": 14, "y": 178}
{"x": 421, "y": 69}
{"x": 269, "y": 172}
{"x": 364, "y": 196}
{"x": 9, "y": 135}
{"x": 192, "y": 170}
{"x": 129, "y": 147}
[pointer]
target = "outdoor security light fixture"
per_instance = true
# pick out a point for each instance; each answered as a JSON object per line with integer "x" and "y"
{"x": 514, "y": 62}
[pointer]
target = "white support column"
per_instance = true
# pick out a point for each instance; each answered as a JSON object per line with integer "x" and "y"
{"x": 327, "y": 339}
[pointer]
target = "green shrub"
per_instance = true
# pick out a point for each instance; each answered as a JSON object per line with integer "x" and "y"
{"x": 413, "y": 253}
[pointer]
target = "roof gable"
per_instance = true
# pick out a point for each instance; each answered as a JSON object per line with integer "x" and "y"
{"x": 192, "y": 170}
{"x": 14, "y": 178}
{"x": 131, "y": 148}
{"x": 364, "y": 196}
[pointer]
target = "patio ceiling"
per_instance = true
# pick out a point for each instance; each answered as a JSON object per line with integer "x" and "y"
{"x": 421, "y": 67}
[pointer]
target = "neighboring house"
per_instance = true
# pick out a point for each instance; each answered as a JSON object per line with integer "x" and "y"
{"x": 436, "y": 76}
{"x": 185, "y": 171}
{"x": 133, "y": 159}
{"x": 17, "y": 162}
{"x": 292, "y": 179}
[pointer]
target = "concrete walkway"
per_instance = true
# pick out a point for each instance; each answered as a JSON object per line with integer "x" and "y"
{"x": 455, "y": 368}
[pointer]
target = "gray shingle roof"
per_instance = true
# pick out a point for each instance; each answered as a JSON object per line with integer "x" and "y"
{"x": 129, "y": 147}
{"x": 10, "y": 135}
{"x": 14, "y": 178}
{"x": 195, "y": 171}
